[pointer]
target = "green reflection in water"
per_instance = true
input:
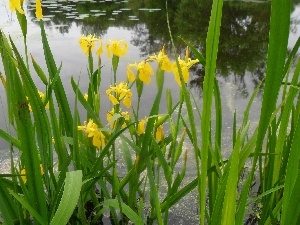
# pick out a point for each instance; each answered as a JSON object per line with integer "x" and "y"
{"x": 243, "y": 40}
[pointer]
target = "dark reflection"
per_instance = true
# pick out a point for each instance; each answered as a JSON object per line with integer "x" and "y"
{"x": 244, "y": 37}
{"x": 243, "y": 40}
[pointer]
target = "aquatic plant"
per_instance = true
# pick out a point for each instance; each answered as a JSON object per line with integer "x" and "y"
{"x": 86, "y": 179}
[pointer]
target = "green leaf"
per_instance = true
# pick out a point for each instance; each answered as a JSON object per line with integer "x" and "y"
{"x": 229, "y": 209}
{"x": 115, "y": 62}
{"x": 160, "y": 77}
{"x": 212, "y": 42}
{"x": 69, "y": 198}
{"x": 6, "y": 55}
{"x": 26, "y": 132}
{"x": 23, "y": 23}
{"x": 39, "y": 71}
{"x": 126, "y": 153}
{"x": 10, "y": 139}
{"x": 58, "y": 88}
{"x": 278, "y": 42}
{"x": 125, "y": 209}
{"x": 30, "y": 209}
{"x": 198, "y": 55}
{"x": 8, "y": 206}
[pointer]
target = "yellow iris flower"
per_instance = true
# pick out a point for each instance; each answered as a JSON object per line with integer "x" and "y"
{"x": 16, "y": 5}
{"x": 144, "y": 70}
{"x": 162, "y": 59}
{"x": 91, "y": 129}
{"x": 99, "y": 140}
{"x": 38, "y": 9}
{"x": 159, "y": 132}
{"x": 87, "y": 43}
{"x": 185, "y": 65}
{"x": 117, "y": 48}
{"x": 121, "y": 93}
{"x": 141, "y": 126}
{"x": 159, "y": 135}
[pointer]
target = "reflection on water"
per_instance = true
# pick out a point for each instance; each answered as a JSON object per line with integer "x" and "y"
{"x": 142, "y": 23}
{"x": 243, "y": 40}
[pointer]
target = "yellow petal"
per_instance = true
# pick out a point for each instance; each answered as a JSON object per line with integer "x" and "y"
{"x": 86, "y": 96}
{"x": 113, "y": 99}
{"x": 117, "y": 47}
{"x": 130, "y": 75}
{"x": 99, "y": 140}
{"x": 141, "y": 126}
{"x": 16, "y": 5}
{"x": 23, "y": 173}
{"x": 42, "y": 169}
{"x": 145, "y": 78}
{"x": 87, "y": 43}
{"x": 166, "y": 65}
{"x": 80, "y": 127}
{"x": 159, "y": 133}
{"x": 109, "y": 116}
{"x": 100, "y": 49}
{"x": 96, "y": 142}
{"x": 145, "y": 71}
{"x": 127, "y": 102}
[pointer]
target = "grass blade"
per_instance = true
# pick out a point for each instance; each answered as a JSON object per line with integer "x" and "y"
{"x": 212, "y": 42}
{"x": 69, "y": 198}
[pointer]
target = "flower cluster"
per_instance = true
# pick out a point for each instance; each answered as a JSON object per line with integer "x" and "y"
{"x": 121, "y": 92}
{"x": 118, "y": 93}
{"x": 92, "y": 131}
{"x": 115, "y": 47}
{"x": 145, "y": 71}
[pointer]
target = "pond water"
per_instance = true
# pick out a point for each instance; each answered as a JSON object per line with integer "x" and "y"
{"x": 142, "y": 24}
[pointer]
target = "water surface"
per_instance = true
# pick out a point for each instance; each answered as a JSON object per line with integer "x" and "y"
{"x": 241, "y": 57}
